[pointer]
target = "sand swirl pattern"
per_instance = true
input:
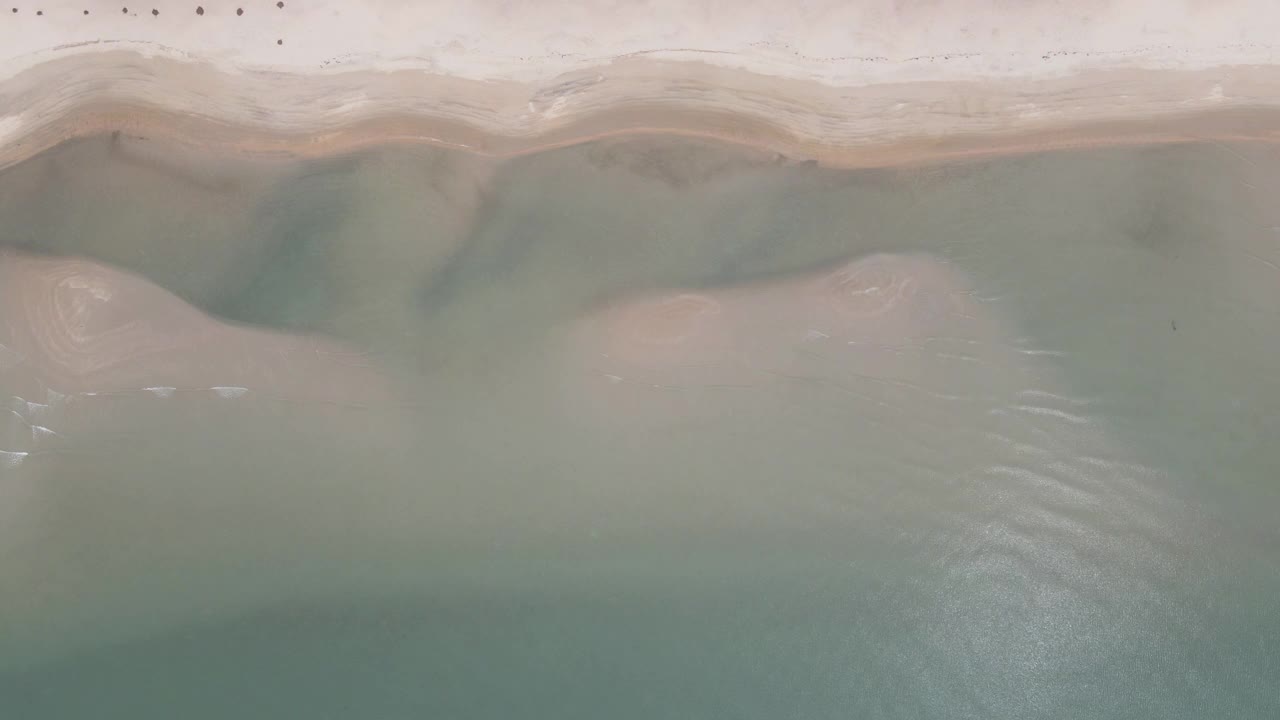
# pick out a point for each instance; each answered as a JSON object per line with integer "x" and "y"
{"x": 84, "y": 321}
{"x": 867, "y": 289}
{"x": 86, "y": 345}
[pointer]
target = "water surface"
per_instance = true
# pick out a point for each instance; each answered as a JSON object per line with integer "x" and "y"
{"x": 639, "y": 428}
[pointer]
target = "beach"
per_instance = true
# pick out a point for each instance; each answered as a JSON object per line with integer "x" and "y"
{"x": 648, "y": 359}
{"x": 848, "y": 85}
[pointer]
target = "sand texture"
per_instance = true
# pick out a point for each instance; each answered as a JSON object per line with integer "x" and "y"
{"x": 852, "y": 84}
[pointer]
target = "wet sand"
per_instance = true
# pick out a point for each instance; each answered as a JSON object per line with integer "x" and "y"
{"x": 848, "y": 85}
{"x": 872, "y": 126}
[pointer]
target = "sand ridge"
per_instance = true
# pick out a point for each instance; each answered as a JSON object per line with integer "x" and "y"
{"x": 272, "y": 114}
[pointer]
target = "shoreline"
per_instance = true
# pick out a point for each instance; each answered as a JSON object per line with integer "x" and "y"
{"x": 274, "y": 114}
{"x": 867, "y": 84}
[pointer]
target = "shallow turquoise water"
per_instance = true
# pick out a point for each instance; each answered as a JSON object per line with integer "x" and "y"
{"x": 631, "y": 430}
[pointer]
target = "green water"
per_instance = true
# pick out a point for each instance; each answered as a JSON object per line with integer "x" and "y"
{"x": 1046, "y": 486}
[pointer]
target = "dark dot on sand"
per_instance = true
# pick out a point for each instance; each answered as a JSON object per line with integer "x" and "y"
{"x": 86, "y": 12}
{"x": 124, "y": 10}
{"x": 15, "y": 9}
{"x": 199, "y": 10}
{"x": 239, "y": 11}
{"x": 39, "y": 12}
{"x": 154, "y": 12}
{"x": 279, "y": 4}
{"x": 279, "y": 42}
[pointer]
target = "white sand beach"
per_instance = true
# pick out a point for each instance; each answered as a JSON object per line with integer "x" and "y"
{"x": 851, "y": 84}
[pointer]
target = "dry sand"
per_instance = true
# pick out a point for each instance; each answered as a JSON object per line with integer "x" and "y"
{"x": 866, "y": 83}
